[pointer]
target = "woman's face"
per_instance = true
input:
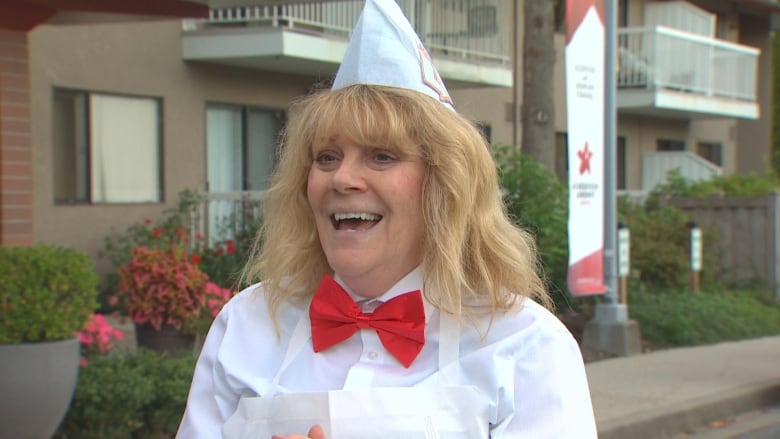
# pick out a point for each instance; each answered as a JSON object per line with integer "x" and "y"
{"x": 367, "y": 204}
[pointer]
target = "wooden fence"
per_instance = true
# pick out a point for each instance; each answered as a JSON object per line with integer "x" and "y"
{"x": 748, "y": 233}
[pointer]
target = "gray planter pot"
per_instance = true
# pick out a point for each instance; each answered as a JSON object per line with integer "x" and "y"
{"x": 37, "y": 381}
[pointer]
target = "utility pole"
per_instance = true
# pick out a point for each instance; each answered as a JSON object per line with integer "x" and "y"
{"x": 611, "y": 330}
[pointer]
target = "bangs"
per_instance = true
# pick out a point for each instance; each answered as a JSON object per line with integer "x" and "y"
{"x": 368, "y": 116}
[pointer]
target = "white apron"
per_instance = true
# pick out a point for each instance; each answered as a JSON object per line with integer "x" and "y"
{"x": 436, "y": 408}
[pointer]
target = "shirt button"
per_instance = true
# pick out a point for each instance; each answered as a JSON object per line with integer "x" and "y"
{"x": 373, "y": 356}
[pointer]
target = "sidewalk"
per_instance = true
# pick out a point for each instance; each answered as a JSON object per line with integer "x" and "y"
{"x": 663, "y": 393}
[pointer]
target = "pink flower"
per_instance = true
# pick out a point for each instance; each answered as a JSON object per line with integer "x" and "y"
{"x": 97, "y": 337}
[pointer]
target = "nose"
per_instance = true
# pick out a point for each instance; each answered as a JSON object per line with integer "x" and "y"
{"x": 349, "y": 176}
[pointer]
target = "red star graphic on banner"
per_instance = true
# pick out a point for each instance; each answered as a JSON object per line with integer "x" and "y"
{"x": 585, "y": 155}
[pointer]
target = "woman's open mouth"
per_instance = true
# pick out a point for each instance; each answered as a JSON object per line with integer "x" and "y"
{"x": 357, "y": 221}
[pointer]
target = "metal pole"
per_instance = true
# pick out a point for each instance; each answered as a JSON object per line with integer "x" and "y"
{"x": 611, "y": 310}
{"x": 610, "y": 179}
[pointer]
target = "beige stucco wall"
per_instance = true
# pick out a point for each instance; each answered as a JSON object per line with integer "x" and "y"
{"x": 141, "y": 58}
{"x": 144, "y": 58}
{"x": 487, "y": 106}
{"x": 754, "y": 137}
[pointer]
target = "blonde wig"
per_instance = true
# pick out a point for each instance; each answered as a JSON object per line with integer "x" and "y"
{"x": 473, "y": 254}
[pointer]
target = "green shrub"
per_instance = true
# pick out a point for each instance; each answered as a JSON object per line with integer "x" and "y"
{"x": 674, "y": 318}
{"x": 109, "y": 400}
{"x": 171, "y": 376}
{"x": 537, "y": 201}
{"x": 660, "y": 246}
{"x": 130, "y": 395}
{"x": 742, "y": 185}
{"x": 48, "y": 293}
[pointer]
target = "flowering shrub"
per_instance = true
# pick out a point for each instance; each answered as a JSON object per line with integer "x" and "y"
{"x": 161, "y": 286}
{"x": 97, "y": 337}
{"x": 222, "y": 262}
{"x": 171, "y": 230}
{"x": 216, "y": 298}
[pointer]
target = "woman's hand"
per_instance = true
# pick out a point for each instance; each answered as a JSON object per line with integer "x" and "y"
{"x": 315, "y": 432}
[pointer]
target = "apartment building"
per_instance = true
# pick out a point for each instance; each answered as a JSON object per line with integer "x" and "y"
{"x": 125, "y": 115}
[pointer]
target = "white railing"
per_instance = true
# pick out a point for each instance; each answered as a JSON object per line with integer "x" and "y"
{"x": 662, "y": 57}
{"x": 656, "y": 166}
{"x": 478, "y": 30}
{"x": 221, "y": 215}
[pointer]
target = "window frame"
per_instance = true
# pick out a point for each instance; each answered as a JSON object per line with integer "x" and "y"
{"x": 84, "y": 121}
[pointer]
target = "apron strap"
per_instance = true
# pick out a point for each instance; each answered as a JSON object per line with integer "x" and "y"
{"x": 300, "y": 336}
{"x": 449, "y": 350}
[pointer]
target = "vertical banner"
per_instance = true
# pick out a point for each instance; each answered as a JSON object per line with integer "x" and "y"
{"x": 585, "y": 124}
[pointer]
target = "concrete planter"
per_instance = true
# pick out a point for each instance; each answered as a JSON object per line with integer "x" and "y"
{"x": 37, "y": 381}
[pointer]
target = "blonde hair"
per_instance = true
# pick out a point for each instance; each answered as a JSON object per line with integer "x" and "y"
{"x": 473, "y": 253}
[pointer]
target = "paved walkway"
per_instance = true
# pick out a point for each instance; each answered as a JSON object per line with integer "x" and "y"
{"x": 663, "y": 393}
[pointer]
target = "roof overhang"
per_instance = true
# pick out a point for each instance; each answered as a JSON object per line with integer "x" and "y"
{"x": 23, "y": 15}
{"x": 287, "y": 51}
{"x": 760, "y": 5}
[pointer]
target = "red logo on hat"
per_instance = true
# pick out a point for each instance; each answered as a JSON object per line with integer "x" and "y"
{"x": 430, "y": 76}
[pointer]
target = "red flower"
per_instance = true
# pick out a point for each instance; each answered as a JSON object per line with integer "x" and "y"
{"x": 196, "y": 259}
{"x": 220, "y": 251}
{"x": 231, "y": 248}
{"x": 157, "y": 233}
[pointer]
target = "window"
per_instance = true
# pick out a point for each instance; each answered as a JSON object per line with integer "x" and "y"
{"x": 712, "y": 151}
{"x": 106, "y": 148}
{"x": 669, "y": 145}
{"x": 241, "y": 146}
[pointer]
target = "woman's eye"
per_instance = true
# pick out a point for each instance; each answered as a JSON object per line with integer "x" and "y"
{"x": 384, "y": 157}
{"x": 324, "y": 157}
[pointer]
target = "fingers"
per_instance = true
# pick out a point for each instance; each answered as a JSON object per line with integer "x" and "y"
{"x": 317, "y": 432}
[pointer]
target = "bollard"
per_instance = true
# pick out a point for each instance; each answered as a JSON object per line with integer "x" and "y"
{"x": 624, "y": 260}
{"x": 696, "y": 256}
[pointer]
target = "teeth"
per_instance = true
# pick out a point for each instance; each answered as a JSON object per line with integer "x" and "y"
{"x": 361, "y": 216}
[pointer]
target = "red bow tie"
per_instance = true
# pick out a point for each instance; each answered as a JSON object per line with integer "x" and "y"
{"x": 399, "y": 322}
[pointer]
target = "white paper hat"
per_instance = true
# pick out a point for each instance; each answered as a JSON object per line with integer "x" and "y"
{"x": 385, "y": 50}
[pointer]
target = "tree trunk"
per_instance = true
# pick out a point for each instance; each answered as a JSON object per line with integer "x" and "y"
{"x": 537, "y": 113}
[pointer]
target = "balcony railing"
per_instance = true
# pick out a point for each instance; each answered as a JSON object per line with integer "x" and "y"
{"x": 657, "y": 165}
{"x": 478, "y": 30}
{"x": 221, "y": 215}
{"x": 662, "y": 57}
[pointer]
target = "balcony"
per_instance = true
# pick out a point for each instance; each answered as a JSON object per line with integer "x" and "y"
{"x": 469, "y": 40}
{"x": 672, "y": 73}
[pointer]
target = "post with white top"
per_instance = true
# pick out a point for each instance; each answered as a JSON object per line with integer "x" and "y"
{"x": 624, "y": 260}
{"x": 696, "y": 256}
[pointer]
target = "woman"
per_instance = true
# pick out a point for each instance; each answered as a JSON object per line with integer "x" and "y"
{"x": 386, "y": 201}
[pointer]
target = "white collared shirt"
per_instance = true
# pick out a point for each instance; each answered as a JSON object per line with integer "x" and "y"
{"x": 528, "y": 365}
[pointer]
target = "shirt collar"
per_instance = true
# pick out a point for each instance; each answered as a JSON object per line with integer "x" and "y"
{"x": 411, "y": 282}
